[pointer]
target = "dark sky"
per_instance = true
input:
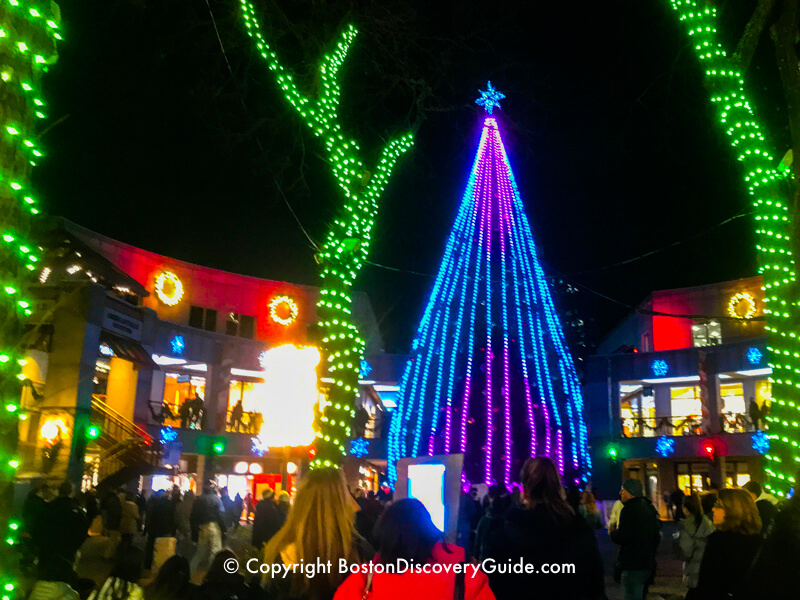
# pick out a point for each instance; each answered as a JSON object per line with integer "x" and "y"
{"x": 611, "y": 136}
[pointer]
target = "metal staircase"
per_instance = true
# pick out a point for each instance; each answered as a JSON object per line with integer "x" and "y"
{"x": 126, "y": 450}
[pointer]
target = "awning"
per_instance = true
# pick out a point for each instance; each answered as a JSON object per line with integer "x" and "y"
{"x": 127, "y": 349}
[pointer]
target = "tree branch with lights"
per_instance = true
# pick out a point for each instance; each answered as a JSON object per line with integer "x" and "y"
{"x": 349, "y": 237}
{"x": 773, "y": 188}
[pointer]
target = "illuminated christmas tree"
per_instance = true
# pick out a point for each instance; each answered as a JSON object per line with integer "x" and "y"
{"x": 490, "y": 374}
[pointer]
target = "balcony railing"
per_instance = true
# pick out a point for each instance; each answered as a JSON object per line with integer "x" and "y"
{"x": 680, "y": 426}
{"x": 247, "y": 422}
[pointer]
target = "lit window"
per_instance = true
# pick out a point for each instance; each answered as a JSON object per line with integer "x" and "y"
{"x": 706, "y": 334}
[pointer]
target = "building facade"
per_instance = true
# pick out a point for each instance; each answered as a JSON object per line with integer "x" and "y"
{"x": 678, "y": 393}
{"x": 140, "y": 365}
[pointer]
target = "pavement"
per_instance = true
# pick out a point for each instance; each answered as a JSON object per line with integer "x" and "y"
{"x": 667, "y": 586}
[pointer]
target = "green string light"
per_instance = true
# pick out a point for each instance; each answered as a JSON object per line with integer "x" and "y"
{"x": 773, "y": 235}
{"x": 349, "y": 238}
{"x": 29, "y": 30}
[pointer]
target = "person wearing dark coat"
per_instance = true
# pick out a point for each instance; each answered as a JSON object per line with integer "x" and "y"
{"x": 160, "y": 522}
{"x": 731, "y": 550}
{"x": 637, "y": 535}
{"x": 268, "y": 520}
{"x": 546, "y": 530}
{"x": 491, "y": 524}
{"x": 62, "y": 528}
{"x": 766, "y": 509}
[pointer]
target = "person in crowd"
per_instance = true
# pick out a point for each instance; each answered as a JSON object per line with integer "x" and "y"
{"x": 755, "y": 413}
{"x": 613, "y": 517}
{"x": 467, "y": 510}
{"x": 321, "y": 527}
{"x": 589, "y": 511}
{"x": 129, "y": 523}
{"x": 574, "y": 498}
{"x": 221, "y": 584}
{"x": 766, "y": 509}
{"x": 284, "y": 504}
{"x": 731, "y": 549}
{"x": 172, "y": 581}
{"x": 207, "y": 526}
{"x": 676, "y": 499}
{"x": 367, "y": 516}
{"x": 183, "y": 524}
{"x": 62, "y": 528}
{"x": 238, "y": 504}
{"x": 707, "y": 502}
{"x": 637, "y": 535}
{"x": 57, "y": 580}
{"x": 32, "y": 511}
{"x": 248, "y": 506}
{"x": 111, "y": 513}
{"x": 405, "y": 532}
{"x": 546, "y": 530}
{"x": 491, "y": 523}
{"x": 268, "y": 519}
{"x": 123, "y": 581}
{"x": 775, "y": 574}
{"x": 693, "y": 534}
{"x": 142, "y": 501}
{"x": 160, "y": 523}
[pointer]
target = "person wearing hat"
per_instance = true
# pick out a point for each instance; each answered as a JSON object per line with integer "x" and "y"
{"x": 637, "y": 534}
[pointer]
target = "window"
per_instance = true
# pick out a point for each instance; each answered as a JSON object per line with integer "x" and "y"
{"x": 706, "y": 334}
{"x": 203, "y": 318}
{"x": 687, "y": 410}
{"x": 241, "y": 325}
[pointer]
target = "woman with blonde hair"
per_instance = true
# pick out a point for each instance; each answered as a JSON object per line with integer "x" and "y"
{"x": 319, "y": 527}
{"x": 731, "y": 549}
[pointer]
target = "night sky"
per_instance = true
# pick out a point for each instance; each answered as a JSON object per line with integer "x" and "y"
{"x": 609, "y": 129}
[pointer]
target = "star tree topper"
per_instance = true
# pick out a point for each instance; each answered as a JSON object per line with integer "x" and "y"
{"x": 490, "y": 98}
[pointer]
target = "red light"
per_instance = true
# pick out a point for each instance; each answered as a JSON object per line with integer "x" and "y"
{"x": 312, "y": 452}
{"x": 635, "y": 350}
{"x": 709, "y": 449}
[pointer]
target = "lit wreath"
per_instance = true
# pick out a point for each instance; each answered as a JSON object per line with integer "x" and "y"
{"x": 734, "y": 303}
{"x": 162, "y": 280}
{"x": 273, "y": 310}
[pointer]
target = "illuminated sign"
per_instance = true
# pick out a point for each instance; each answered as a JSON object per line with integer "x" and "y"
{"x": 169, "y": 288}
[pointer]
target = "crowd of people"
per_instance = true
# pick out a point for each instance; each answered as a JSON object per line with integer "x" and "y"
{"x": 734, "y": 543}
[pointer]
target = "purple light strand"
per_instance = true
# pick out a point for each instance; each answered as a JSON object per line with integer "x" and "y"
{"x": 489, "y": 354}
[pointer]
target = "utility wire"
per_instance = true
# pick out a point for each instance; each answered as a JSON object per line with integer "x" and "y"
{"x": 314, "y": 244}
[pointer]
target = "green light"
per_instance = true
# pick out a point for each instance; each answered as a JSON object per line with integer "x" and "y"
{"x": 9, "y": 587}
{"x": 93, "y": 432}
{"x": 218, "y": 447}
{"x": 14, "y": 464}
{"x": 13, "y": 525}
{"x": 34, "y": 12}
{"x": 11, "y": 407}
{"x": 10, "y": 290}
{"x": 12, "y": 130}
{"x": 23, "y": 47}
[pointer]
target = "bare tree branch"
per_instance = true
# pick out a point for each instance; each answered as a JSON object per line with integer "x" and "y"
{"x": 748, "y": 43}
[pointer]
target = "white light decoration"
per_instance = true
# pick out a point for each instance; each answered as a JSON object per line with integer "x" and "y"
{"x": 256, "y": 469}
{"x": 279, "y": 302}
{"x": 52, "y": 429}
{"x": 291, "y": 468}
{"x": 737, "y": 300}
{"x": 169, "y": 288}
{"x": 44, "y": 275}
{"x": 240, "y": 468}
{"x": 288, "y": 396}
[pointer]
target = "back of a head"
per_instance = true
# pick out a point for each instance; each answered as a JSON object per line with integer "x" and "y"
{"x": 320, "y": 524}
{"x": 65, "y": 490}
{"x": 405, "y": 530}
{"x": 741, "y": 514}
{"x": 541, "y": 484}
{"x": 707, "y": 501}
{"x": 217, "y": 570}
{"x": 208, "y": 489}
{"x": 753, "y": 487}
{"x": 128, "y": 565}
{"x": 283, "y": 497}
{"x": 172, "y": 579}
{"x": 694, "y": 507}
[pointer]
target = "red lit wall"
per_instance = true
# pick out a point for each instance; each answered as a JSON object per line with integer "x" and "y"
{"x": 670, "y": 333}
{"x": 210, "y": 288}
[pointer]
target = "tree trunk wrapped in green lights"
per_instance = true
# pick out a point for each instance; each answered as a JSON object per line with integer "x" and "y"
{"x": 348, "y": 240}
{"x": 770, "y": 190}
{"x": 28, "y": 37}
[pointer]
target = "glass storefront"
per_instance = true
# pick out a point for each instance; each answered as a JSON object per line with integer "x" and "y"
{"x": 183, "y": 401}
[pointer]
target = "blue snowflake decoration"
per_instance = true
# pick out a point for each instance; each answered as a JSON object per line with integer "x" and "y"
{"x": 359, "y": 447}
{"x": 366, "y": 369}
{"x": 490, "y": 99}
{"x": 659, "y": 367}
{"x": 168, "y": 434}
{"x": 760, "y": 442}
{"x": 177, "y": 344}
{"x": 665, "y": 446}
{"x": 257, "y": 447}
{"x": 754, "y": 356}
